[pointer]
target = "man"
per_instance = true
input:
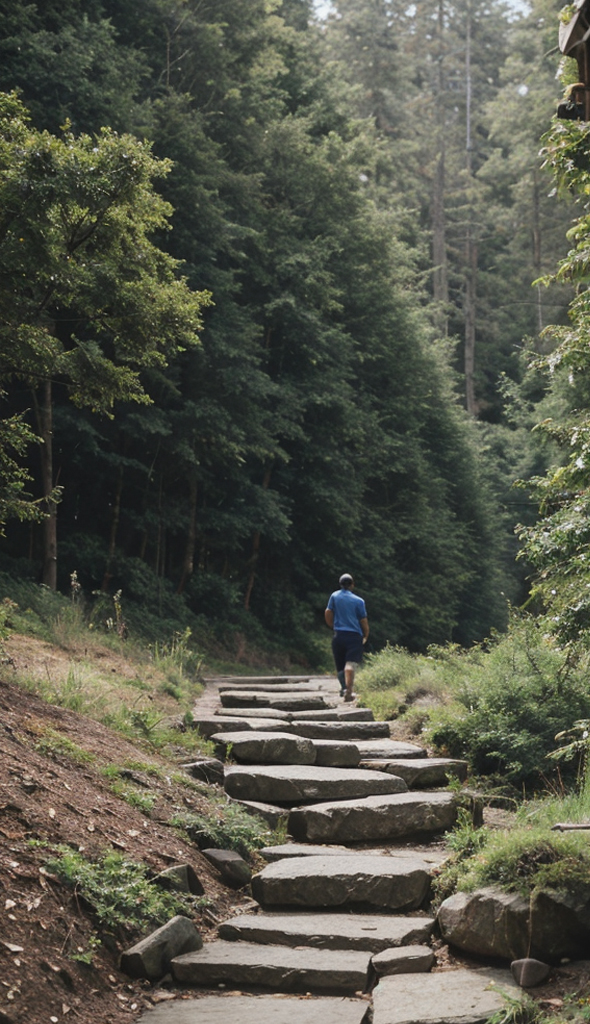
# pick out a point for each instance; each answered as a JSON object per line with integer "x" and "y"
{"x": 347, "y": 616}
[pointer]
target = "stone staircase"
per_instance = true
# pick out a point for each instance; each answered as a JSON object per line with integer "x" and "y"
{"x": 341, "y": 932}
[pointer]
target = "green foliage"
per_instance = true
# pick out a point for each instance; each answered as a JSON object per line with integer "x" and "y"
{"x": 133, "y": 796}
{"x": 518, "y": 1010}
{"x": 225, "y": 827}
{"x": 55, "y": 744}
{"x": 118, "y": 890}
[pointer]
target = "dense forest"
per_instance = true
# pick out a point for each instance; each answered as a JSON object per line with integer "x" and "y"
{"x": 270, "y": 283}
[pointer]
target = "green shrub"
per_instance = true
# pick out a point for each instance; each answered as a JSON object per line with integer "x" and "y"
{"x": 226, "y": 827}
{"x": 118, "y": 891}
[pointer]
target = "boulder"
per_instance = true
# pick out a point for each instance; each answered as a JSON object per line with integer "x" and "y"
{"x": 151, "y": 957}
{"x": 489, "y": 922}
{"x": 208, "y": 770}
{"x": 233, "y": 869}
{"x": 292, "y": 784}
{"x": 374, "y": 817}
{"x": 182, "y": 877}
{"x": 529, "y": 972}
{"x": 265, "y": 748}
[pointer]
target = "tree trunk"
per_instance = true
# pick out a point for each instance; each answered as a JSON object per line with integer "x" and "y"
{"x": 255, "y": 550}
{"x": 470, "y": 243}
{"x": 440, "y": 279}
{"x": 537, "y": 246}
{"x": 44, "y": 409}
{"x": 188, "y": 562}
{"x": 114, "y": 529}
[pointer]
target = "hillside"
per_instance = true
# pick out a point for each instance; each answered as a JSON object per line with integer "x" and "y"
{"x": 54, "y": 791}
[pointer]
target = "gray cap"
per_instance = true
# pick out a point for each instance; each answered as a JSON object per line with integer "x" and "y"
{"x": 346, "y": 580}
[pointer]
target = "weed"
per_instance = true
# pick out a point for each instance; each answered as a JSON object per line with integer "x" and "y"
{"x": 86, "y": 956}
{"x": 226, "y": 827}
{"x": 117, "y": 890}
{"x": 143, "y": 802}
{"x": 521, "y": 1010}
{"x": 55, "y": 744}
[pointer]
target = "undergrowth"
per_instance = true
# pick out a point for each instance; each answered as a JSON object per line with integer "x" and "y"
{"x": 226, "y": 827}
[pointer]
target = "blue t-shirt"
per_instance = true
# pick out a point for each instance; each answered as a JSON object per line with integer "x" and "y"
{"x": 348, "y": 610}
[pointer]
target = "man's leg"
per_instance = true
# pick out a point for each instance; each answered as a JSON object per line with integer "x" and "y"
{"x": 342, "y": 680}
{"x": 349, "y": 670}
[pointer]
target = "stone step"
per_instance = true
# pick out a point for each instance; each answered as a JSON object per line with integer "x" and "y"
{"x": 343, "y": 713}
{"x": 228, "y": 1008}
{"x": 372, "y": 932}
{"x": 284, "y": 748}
{"x": 208, "y": 725}
{"x": 446, "y": 997}
{"x": 281, "y": 968}
{"x": 283, "y": 701}
{"x": 297, "y": 783}
{"x": 249, "y": 686}
{"x": 420, "y": 772}
{"x": 374, "y": 817}
{"x": 373, "y": 748}
{"x": 368, "y": 881}
{"x": 265, "y": 747}
{"x": 272, "y": 853}
{"x": 253, "y": 680}
{"x": 343, "y": 730}
{"x": 257, "y": 713}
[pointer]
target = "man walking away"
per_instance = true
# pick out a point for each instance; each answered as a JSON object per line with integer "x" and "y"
{"x": 347, "y": 616}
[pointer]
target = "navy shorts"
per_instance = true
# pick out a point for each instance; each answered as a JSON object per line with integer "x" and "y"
{"x": 346, "y": 646}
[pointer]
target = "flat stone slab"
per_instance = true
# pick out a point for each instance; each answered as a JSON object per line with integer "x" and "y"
{"x": 374, "y": 817}
{"x": 295, "y": 783}
{"x": 228, "y": 1009}
{"x": 253, "y": 680}
{"x": 282, "y": 968}
{"x": 420, "y": 772}
{"x": 399, "y": 882}
{"x": 446, "y": 997}
{"x": 208, "y": 725}
{"x": 272, "y": 853}
{"x": 302, "y": 687}
{"x": 284, "y": 701}
{"x": 340, "y": 714}
{"x": 371, "y": 932}
{"x": 257, "y": 713}
{"x": 412, "y": 959}
{"x": 265, "y": 747}
{"x": 335, "y": 753}
{"x": 341, "y": 730}
{"x": 373, "y": 749}
{"x": 272, "y": 815}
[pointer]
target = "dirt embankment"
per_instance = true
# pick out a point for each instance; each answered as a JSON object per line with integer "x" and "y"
{"x": 49, "y": 796}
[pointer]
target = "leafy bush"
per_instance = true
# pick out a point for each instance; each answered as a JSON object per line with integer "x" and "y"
{"x": 118, "y": 891}
{"x": 225, "y": 827}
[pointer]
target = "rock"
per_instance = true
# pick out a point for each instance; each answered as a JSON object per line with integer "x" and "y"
{"x": 367, "y": 880}
{"x": 296, "y": 783}
{"x": 335, "y": 753}
{"x": 265, "y": 748}
{"x": 448, "y": 997}
{"x": 208, "y": 770}
{"x": 378, "y": 749}
{"x": 182, "y": 877}
{"x": 374, "y": 817}
{"x": 272, "y": 853}
{"x": 282, "y": 968}
{"x": 283, "y": 701}
{"x": 208, "y": 725}
{"x": 340, "y": 714}
{"x": 233, "y": 869}
{"x": 529, "y": 972}
{"x": 261, "y": 1010}
{"x": 248, "y": 686}
{"x": 403, "y": 960}
{"x": 256, "y": 713}
{"x": 372, "y": 932}
{"x": 340, "y": 730}
{"x": 273, "y": 816}
{"x": 489, "y": 922}
{"x": 150, "y": 958}
{"x": 252, "y": 681}
{"x": 420, "y": 772}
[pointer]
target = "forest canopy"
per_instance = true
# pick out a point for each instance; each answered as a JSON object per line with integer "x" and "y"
{"x": 253, "y": 266}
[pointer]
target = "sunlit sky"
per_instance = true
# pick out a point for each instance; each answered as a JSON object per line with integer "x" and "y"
{"x": 323, "y": 6}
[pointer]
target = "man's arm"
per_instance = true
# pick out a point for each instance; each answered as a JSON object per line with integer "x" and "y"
{"x": 364, "y": 623}
{"x": 329, "y": 617}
